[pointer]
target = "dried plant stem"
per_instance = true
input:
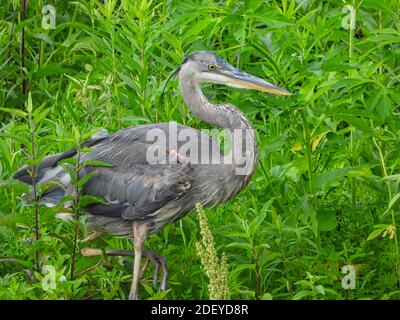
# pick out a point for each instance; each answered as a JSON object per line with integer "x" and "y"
{"x": 216, "y": 268}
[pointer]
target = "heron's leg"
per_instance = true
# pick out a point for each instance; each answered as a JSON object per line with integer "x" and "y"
{"x": 140, "y": 232}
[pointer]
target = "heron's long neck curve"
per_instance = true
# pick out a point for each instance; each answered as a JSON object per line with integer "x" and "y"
{"x": 224, "y": 116}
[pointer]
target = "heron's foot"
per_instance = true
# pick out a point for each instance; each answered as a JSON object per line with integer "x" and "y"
{"x": 160, "y": 266}
{"x": 133, "y": 297}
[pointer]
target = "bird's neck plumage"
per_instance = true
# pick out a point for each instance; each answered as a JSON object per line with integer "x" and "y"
{"x": 225, "y": 116}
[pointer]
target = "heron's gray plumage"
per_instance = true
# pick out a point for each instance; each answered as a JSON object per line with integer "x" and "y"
{"x": 135, "y": 190}
{"x": 142, "y": 197}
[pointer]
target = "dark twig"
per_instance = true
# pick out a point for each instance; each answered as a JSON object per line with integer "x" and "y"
{"x": 9, "y": 51}
{"x": 24, "y": 5}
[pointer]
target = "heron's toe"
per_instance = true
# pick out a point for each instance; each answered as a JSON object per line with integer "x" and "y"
{"x": 158, "y": 261}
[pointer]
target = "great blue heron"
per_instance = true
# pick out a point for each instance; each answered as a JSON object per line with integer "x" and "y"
{"x": 143, "y": 197}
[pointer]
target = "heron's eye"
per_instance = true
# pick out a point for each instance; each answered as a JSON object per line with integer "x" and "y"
{"x": 211, "y": 67}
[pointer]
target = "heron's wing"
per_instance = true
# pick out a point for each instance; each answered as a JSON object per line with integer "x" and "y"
{"x": 132, "y": 187}
{"x": 136, "y": 192}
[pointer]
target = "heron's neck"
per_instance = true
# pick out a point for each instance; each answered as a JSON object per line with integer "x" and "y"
{"x": 220, "y": 115}
{"x": 224, "y": 116}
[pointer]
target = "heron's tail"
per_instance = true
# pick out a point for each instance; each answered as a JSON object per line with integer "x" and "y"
{"x": 24, "y": 174}
{"x": 48, "y": 171}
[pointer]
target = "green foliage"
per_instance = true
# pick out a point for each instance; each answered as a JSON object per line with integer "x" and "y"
{"x": 326, "y": 190}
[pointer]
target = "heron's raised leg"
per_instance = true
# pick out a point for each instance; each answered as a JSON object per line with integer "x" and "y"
{"x": 140, "y": 232}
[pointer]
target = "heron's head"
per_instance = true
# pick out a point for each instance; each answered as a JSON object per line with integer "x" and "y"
{"x": 207, "y": 67}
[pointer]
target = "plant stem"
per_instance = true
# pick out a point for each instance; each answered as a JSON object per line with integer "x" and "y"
{"x": 351, "y": 44}
{"x": 77, "y": 215}
{"x": 353, "y": 179}
{"x": 389, "y": 189}
{"x": 9, "y": 55}
{"x": 306, "y": 136}
{"x": 41, "y": 46}
{"x": 34, "y": 187}
{"x": 352, "y": 138}
{"x": 22, "y": 49}
{"x": 258, "y": 274}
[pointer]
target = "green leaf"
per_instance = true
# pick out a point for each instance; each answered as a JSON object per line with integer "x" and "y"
{"x": 380, "y": 101}
{"x": 71, "y": 161}
{"x": 85, "y": 200}
{"x": 18, "y": 112}
{"x": 329, "y": 176}
{"x": 44, "y": 37}
{"x": 379, "y": 229}
{"x": 385, "y": 106}
{"x": 266, "y": 296}
{"x": 71, "y": 171}
{"x": 97, "y": 163}
{"x": 82, "y": 181}
{"x": 302, "y": 294}
{"x": 18, "y": 186}
{"x": 309, "y": 214}
{"x": 358, "y": 123}
{"x": 40, "y": 113}
{"x": 29, "y": 105}
{"x": 392, "y": 204}
{"x": 239, "y": 245}
{"x": 327, "y": 220}
{"x": 395, "y": 177}
{"x": 63, "y": 238}
{"x": 43, "y": 187}
{"x": 148, "y": 289}
{"x": 320, "y": 289}
{"x": 65, "y": 199}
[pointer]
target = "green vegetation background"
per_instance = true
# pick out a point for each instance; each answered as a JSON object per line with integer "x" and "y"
{"x": 326, "y": 189}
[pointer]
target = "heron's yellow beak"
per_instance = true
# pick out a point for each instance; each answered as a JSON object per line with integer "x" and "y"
{"x": 259, "y": 85}
{"x": 239, "y": 79}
